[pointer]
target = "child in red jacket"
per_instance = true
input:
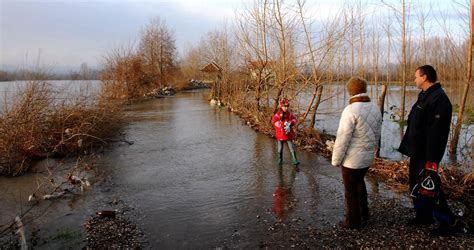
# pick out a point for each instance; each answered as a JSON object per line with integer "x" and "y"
{"x": 284, "y": 123}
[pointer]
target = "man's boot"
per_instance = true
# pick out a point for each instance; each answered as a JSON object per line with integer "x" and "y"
{"x": 280, "y": 159}
{"x": 295, "y": 160}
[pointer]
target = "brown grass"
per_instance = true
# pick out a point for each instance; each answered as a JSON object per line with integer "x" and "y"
{"x": 124, "y": 75}
{"x": 37, "y": 124}
{"x": 395, "y": 173}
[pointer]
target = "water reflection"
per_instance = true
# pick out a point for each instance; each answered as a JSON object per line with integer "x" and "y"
{"x": 257, "y": 163}
{"x": 283, "y": 202}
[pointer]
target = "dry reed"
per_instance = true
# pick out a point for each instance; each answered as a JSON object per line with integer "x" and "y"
{"x": 37, "y": 123}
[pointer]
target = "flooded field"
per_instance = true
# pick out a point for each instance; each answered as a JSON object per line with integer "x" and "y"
{"x": 195, "y": 176}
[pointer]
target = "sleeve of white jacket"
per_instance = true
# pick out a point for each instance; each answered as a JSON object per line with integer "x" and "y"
{"x": 343, "y": 137}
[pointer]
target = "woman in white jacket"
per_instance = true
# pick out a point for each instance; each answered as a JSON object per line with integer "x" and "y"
{"x": 356, "y": 141}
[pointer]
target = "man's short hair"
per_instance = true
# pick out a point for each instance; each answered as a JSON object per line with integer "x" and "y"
{"x": 429, "y": 72}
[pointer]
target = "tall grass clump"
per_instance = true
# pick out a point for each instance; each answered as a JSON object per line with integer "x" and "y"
{"x": 39, "y": 122}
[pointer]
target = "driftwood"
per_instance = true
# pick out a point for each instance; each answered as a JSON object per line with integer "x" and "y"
{"x": 21, "y": 232}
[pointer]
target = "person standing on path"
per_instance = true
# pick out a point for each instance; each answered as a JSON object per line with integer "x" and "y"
{"x": 425, "y": 142}
{"x": 284, "y": 123}
{"x": 354, "y": 150}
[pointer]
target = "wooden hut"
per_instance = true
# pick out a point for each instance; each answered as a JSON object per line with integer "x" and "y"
{"x": 214, "y": 69}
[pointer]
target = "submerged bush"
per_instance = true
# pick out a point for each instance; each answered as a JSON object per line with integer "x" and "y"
{"x": 37, "y": 123}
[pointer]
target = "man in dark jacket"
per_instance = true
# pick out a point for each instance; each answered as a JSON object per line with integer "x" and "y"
{"x": 425, "y": 142}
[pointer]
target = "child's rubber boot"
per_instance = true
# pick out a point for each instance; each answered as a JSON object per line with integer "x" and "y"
{"x": 280, "y": 159}
{"x": 295, "y": 160}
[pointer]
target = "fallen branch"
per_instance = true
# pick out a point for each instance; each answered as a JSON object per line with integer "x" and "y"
{"x": 21, "y": 232}
{"x": 82, "y": 134}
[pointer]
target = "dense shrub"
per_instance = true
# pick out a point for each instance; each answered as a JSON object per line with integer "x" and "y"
{"x": 38, "y": 124}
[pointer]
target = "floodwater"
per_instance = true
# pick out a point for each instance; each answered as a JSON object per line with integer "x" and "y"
{"x": 334, "y": 99}
{"x": 195, "y": 177}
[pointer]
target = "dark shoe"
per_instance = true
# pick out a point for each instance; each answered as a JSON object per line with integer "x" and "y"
{"x": 444, "y": 231}
{"x": 365, "y": 218}
{"x": 418, "y": 221}
{"x": 448, "y": 230}
{"x": 348, "y": 226}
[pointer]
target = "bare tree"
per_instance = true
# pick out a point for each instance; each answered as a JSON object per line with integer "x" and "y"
{"x": 217, "y": 46}
{"x": 457, "y": 130}
{"x": 124, "y": 76}
{"x": 157, "y": 46}
{"x": 404, "y": 65}
{"x": 402, "y": 13}
{"x": 192, "y": 62}
{"x": 423, "y": 15}
{"x": 283, "y": 31}
{"x": 252, "y": 37}
{"x": 381, "y": 103}
{"x": 375, "y": 56}
{"x": 320, "y": 57}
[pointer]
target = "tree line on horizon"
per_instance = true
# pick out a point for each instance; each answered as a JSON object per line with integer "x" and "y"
{"x": 83, "y": 73}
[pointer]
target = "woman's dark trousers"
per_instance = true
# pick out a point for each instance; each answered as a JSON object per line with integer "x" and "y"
{"x": 355, "y": 194}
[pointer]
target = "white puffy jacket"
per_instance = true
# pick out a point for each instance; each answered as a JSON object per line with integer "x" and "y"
{"x": 358, "y": 135}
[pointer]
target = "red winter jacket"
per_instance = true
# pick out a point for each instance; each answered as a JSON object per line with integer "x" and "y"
{"x": 279, "y": 124}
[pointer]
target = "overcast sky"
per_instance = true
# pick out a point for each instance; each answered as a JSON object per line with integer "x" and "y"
{"x": 66, "y": 33}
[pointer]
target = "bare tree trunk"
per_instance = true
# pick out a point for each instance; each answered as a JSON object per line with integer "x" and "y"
{"x": 253, "y": 38}
{"x": 283, "y": 34}
{"x": 308, "y": 109}
{"x": 457, "y": 130}
{"x": 316, "y": 105}
{"x": 361, "y": 20}
{"x": 389, "y": 49}
{"x": 313, "y": 60}
{"x": 375, "y": 58}
{"x": 381, "y": 103}
{"x": 263, "y": 63}
{"x": 352, "y": 43}
{"x": 404, "y": 67}
{"x": 333, "y": 37}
